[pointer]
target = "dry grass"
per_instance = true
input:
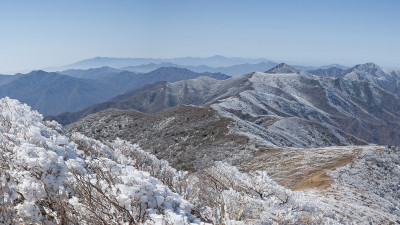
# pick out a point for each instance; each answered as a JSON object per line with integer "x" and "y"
{"x": 317, "y": 178}
{"x": 302, "y": 169}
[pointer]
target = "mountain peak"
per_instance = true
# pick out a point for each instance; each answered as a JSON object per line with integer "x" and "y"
{"x": 283, "y": 68}
{"x": 368, "y": 72}
{"x": 218, "y": 56}
{"x": 367, "y": 66}
{"x": 370, "y": 68}
{"x": 37, "y": 71}
{"x": 40, "y": 73}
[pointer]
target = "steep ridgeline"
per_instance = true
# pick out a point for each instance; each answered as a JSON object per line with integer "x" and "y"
{"x": 53, "y": 93}
{"x": 279, "y": 109}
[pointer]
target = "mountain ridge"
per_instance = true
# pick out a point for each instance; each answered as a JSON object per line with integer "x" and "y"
{"x": 53, "y": 93}
{"x": 255, "y": 100}
{"x": 366, "y": 89}
{"x": 214, "y": 61}
{"x": 198, "y": 64}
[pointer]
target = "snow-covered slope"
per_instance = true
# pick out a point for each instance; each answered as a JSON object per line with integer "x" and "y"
{"x": 367, "y": 188}
{"x": 280, "y": 108}
{"x": 375, "y": 75}
{"x": 360, "y": 184}
{"x": 286, "y": 110}
{"x": 305, "y": 109}
{"x": 46, "y": 178}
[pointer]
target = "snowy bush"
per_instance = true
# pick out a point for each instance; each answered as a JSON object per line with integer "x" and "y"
{"x": 46, "y": 179}
{"x": 229, "y": 196}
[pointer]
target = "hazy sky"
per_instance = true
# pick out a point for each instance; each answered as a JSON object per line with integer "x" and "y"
{"x": 39, "y": 34}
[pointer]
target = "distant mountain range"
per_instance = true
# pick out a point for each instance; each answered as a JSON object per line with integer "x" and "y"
{"x": 235, "y": 70}
{"x": 230, "y": 70}
{"x": 214, "y": 61}
{"x": 53, "y": 93}
{"x": 232, "y": 66}
{"x": 283, "y": 107}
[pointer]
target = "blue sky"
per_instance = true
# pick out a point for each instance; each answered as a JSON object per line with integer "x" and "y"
{"x": 39, "y": 34}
